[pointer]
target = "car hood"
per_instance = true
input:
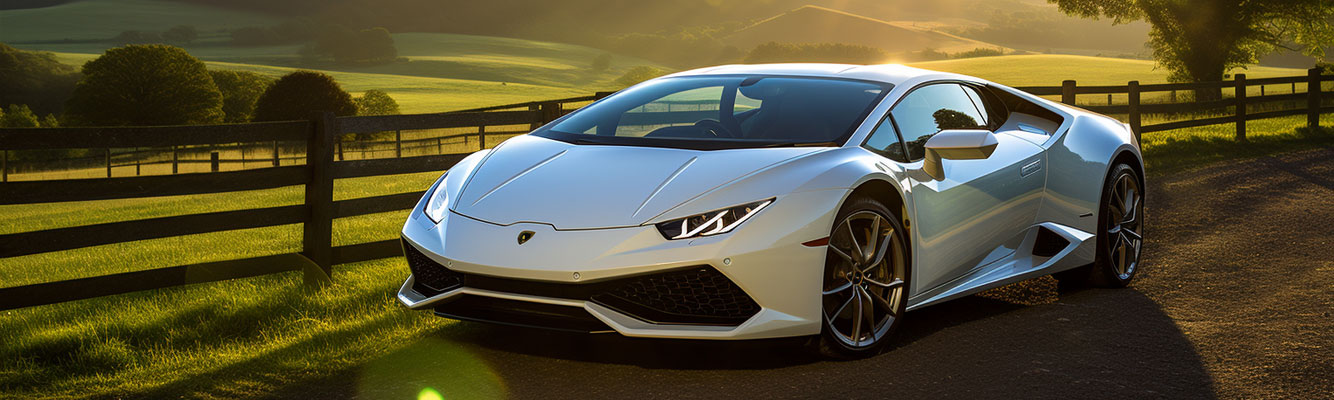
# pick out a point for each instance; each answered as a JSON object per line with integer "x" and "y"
{"x": 532, "y": 179}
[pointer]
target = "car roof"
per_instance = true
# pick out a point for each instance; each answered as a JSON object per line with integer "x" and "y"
{"x": 888, "y": 73}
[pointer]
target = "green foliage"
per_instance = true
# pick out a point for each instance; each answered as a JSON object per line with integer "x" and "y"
{"x": 602, "y": 62}
{"x": 979, "y": 52}
{"x": 774, "y": 52}
{"x": 34, "y": 78}
{"x": 346, "y": 46}
{"x": 638, "y": 74}
{"x": 300, "y": 94}
{"x": 19, "y": 116}
{"x": 376, "y": 102}
{"x": 50, "y": 121}
{"x": 1201, "y": 40}
{"x": 141, "y": 85}
{"x": 240, "y": 90}
{"x": 180, "y": 34}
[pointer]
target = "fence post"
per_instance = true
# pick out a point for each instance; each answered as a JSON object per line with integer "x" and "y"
{"x": 213, "y": 161}
{"x": 4, "y": 166}
{"x": 1132, "y": 107}
{"x": 275, "y": 153}
{"x": 1313, "y": 97}
{"x": 1241, "y": 106}
{"x": 536, "y": 123}
{"x": 108, "y": 162}
{"x": 175, "y": 160}
{"x": 481, "y": 137}
{"x": 317, "y": 234}
{"x": 398, "y": 144}
{"x": 1068, "y": 92}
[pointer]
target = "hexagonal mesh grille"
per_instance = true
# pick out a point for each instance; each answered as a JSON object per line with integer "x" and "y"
{"x": 430, "y": 278}
{"x": 699, "y": 295}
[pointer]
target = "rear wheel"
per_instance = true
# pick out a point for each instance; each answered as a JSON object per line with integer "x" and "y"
{"x": 1120, "y": 233}
{"x": 865, "y": 281}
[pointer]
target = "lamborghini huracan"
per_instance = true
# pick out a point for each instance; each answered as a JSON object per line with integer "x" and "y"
{"x": 762, "y": 201}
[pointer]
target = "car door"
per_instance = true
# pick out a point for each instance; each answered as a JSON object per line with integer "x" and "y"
{"x": 980, "y": 211}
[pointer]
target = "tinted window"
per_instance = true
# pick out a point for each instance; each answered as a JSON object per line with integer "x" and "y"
{"x": 931, "y": 109}
{"x": 715, "y": 112}
{"x": 885, "y": 140}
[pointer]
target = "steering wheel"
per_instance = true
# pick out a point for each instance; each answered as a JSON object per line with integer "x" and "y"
{"x": 715, "y": 128}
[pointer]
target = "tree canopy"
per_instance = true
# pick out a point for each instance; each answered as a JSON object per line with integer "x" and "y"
{"x": 1201, "y": 40}
{"x": 240, "y": 90}
{"x": 143, "y": 85}
{"x": 18, "y": 116}
{"x": 299, "y": 94}
{"x": 376, "y": 102}
{"x": 35, "y": 79}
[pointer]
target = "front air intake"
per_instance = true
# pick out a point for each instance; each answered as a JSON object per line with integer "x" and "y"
{"x": 429, "y": 277}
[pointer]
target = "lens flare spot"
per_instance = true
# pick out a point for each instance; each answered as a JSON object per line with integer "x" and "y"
{"x": 429, "y": 394}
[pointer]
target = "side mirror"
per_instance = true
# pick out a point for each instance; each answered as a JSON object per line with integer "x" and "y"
{"x": 956, "y": 144}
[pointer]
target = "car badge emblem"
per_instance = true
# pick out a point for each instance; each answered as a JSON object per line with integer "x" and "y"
{"x": 525, "y": 236}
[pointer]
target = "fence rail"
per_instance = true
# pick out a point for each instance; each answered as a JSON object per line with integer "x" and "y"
{"x": 323, "y": 164}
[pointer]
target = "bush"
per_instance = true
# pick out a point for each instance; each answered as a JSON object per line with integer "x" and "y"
{"x": 300, "y": 94}
{"x": 774, "y": 52}
{"x": 18, "y": 116}
{"x": 144, "y": 85}
{"x": 376, "y": 102}
{"x": 980, "y": 52}
{"x": 240, "y": 90}
{"x": 638, "y": 74}
{"x": 35, "y": 79}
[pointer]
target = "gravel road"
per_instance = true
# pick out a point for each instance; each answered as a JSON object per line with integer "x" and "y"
{"x": 1233, "y": 301}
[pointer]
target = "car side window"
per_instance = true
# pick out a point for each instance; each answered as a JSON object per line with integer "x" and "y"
{"x": 885, "y": 140}
{"x": 930, "y": 109}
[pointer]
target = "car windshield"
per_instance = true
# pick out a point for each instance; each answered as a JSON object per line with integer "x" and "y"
{"x": 724, "y": 112}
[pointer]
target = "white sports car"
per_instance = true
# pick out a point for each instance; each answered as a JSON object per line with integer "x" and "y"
{"x": 760, "y": 201}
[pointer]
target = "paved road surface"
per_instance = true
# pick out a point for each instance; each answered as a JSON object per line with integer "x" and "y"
{"x": 1234, "y": 301}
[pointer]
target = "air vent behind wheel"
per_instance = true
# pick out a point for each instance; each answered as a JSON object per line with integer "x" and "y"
{"x": 1048, "y": 243}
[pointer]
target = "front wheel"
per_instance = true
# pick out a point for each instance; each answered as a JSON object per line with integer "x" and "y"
{"x": 865, "y": 280}
{"x": 1120, "y": 233}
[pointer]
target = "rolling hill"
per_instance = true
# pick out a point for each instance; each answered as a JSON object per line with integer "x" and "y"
{"x": 814, "y": 24}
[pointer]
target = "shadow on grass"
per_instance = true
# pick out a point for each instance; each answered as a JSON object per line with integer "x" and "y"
{"x": 1181, "y": 154}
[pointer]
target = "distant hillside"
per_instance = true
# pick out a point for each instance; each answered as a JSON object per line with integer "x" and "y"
{"x": 814, "y": 24}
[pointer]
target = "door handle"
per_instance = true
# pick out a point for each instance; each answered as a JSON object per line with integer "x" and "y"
{"x": 1030, "y": 168}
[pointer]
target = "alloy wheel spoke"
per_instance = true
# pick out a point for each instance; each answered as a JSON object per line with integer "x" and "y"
{"x": 842, "y": 308}
{"x": 890, "y": 285}
{"x": 1131, "y": 236}
{"x": 841, "y": 254}
{"x": 857, "y": 318}
{"x": 875, "y": 237}
{"x": 840, "y": 288}
{"x": 857, "y": 247}
{"x": 884, "y": 303}
{"x": 868, "y": 311}
{"x": 884, "y": 249}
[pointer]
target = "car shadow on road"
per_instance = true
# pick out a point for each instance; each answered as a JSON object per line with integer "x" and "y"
{"x": 1092, "y": 343}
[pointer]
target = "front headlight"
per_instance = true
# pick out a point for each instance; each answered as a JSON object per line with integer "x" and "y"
{"x": 437, "y": 202}
{"x": 710, "y": 223}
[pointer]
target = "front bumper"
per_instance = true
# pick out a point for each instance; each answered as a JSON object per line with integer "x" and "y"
{"x": 756, "y": 282}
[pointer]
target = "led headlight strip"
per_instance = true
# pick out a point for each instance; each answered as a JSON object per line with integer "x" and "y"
{"x": 710, "y": 223}
{"x": 437, "y": 201}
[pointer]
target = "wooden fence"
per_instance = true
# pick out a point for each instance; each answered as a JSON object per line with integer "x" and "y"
{"x": 320, "y": 136}
{"x": 321, "y": 167}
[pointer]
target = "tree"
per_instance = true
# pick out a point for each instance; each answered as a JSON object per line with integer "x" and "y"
{"x": 240, "y": 90}
{"x": 299, "y": 94}
{"x": 50, "y": 121}
{"x": 376, "y": 102}
{"x": 638, "y": 74}
{"x": 1201, "y": 40}
{"x": 145, "y": 85}
{"x": 35, "y": 79}
{"x": 19, "y": 116}
{"x": 180, "y": 34}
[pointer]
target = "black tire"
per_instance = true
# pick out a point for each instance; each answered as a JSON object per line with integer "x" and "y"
{"x": 1120, "y": 234}
{"x": 885, "y": 283}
